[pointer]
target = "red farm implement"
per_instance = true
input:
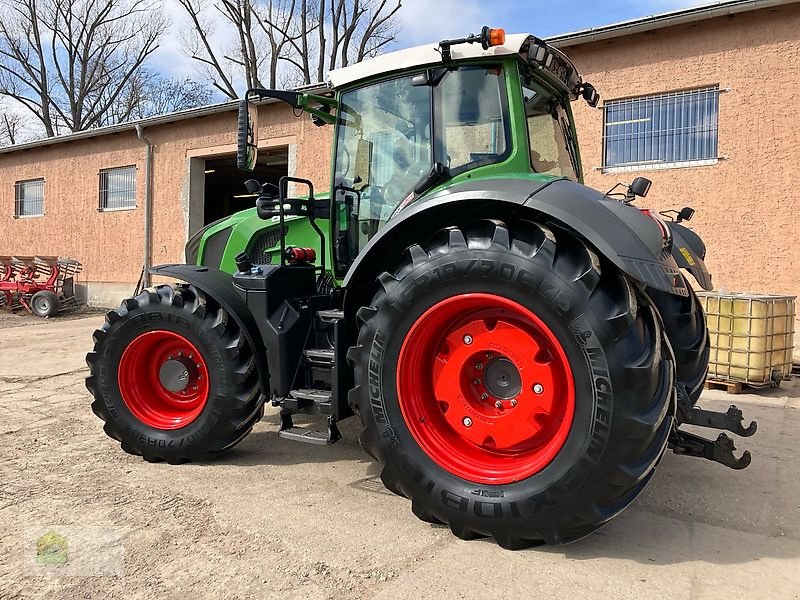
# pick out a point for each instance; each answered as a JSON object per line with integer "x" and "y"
{"x": 43, "y": 285}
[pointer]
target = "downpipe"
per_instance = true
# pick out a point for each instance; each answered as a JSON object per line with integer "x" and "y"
{"x": 148, "y": 206}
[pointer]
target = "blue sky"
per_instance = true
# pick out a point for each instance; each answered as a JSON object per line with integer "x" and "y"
{"x": 424, "y": 21}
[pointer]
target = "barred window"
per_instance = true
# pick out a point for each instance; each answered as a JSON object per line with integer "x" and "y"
{"x": 29, "y": 198}
{"x": 661, "y": 131}
{"x": 118, "y": 188}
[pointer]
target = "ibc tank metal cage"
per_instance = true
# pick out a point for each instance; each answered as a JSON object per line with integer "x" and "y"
{"x": 751, "y": 337}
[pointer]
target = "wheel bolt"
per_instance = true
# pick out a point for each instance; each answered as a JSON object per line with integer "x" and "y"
{"x": 538, "y": 388}
{"x": 498, "y": 404}
{"x": 484, "y": 396}
{"x": 467, "y": 422}
{"x": 513, "y": 403}
{"x": 467, "y": 339}
{"x": 476, "y": 382}
{"x": 478, "y": 366}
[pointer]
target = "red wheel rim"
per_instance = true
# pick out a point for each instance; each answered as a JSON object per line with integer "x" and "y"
{"x": 485, "y": 388}
{"x": 151, "y": 369}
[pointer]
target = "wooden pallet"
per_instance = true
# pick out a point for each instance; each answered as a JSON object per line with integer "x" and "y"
{"x": 796, "y": 369}
{"x": 732, "y": 387}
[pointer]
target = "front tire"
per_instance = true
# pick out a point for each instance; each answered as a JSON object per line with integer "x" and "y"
{"x": 577, "y": 325}
{"x": 172, "y": 376}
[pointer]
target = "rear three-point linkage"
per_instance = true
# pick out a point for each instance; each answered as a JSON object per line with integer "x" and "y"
{"x": 720, "y": 450}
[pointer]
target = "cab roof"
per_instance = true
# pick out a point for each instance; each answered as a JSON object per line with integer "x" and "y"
{"x": 420, "y": 56}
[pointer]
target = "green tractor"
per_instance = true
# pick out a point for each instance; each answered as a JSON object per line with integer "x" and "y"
{"x": 520, "y": 349}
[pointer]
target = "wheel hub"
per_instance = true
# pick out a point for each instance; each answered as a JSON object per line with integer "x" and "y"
{"x": 502, "y": 379}
{"x": 175, "y": 375}
{"x": 485, "y": 388}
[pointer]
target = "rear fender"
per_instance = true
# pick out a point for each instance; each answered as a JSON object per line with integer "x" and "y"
{"x": 625, "y": 236}
{"x": 688, "y": 250}
{"x": 219, "y": 286}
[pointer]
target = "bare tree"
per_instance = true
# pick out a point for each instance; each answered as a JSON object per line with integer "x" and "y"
{"x": 70, "y": 61}
{"x": 11, "y": 128}
{"x": 218, "y": 66}
{"x": 310, "y": 37}
{"x": 147, "y": 94}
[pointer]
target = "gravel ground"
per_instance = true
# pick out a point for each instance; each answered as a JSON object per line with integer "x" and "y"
{"x": 280, "y": 519}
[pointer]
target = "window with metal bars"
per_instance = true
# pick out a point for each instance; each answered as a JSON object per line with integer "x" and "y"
{"x": 675, "y": 129}
{"x": 29, "y": 198}
{"x": 118, "y": 188}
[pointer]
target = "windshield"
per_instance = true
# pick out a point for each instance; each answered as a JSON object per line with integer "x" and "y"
{"x": 384, "y": 142}
{"x": 553, "y": 150}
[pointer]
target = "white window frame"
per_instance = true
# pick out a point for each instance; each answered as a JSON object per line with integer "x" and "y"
{"x": 130, "y": 203}
{"x": 683, "y": 138}
{"x": 19, "y": 203}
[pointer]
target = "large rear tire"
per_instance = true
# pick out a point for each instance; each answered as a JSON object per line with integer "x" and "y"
{"x": 172, "y": 377}
{"x": 685, "y": 327}
{"x": 566, "y": 333}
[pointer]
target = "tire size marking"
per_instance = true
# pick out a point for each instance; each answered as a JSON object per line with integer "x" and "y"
{"x": 462, "y": 269}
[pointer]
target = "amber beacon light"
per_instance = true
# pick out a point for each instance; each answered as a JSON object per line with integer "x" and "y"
{"x": 492, "y": 37}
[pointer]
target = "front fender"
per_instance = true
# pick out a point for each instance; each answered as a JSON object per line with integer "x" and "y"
{"x": 219, "y": 285}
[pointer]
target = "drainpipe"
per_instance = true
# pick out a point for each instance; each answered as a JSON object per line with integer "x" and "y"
{"x": 148, "y": 204}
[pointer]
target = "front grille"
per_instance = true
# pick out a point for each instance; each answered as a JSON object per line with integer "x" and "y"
{"x": 264, "y": 244}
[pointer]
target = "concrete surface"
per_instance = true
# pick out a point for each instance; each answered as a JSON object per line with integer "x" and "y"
{"x": 280, "y": 519}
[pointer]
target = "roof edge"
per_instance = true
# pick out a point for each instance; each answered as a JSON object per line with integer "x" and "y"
{"x": 166, "y": 119}
{"x": 662, "y": 20}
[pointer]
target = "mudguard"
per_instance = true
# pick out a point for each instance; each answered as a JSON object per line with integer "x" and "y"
{"x": 689, "y": 251}
{"x": 219, "y": 285}
{"x": 622, "y": 233}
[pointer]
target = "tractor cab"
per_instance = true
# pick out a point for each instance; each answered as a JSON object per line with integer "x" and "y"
{"x": 420, "y": 120}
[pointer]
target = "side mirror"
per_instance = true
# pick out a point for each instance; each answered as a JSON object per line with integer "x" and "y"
{"x": 640, "y": 186}
{"x": 685, "y": 214}
{"x": 247, "y": 137}
{"x": 590, "y": 95}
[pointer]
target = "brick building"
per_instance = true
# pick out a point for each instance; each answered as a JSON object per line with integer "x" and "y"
{"x": 702, "y": 101}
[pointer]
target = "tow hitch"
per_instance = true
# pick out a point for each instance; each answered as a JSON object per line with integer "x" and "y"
{"x": 720, "y": 450}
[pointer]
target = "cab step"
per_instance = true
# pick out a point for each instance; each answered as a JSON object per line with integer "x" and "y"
{"x": 330, "y": 316}
{"x": 307, "y": 436}
{"x": 288, "y": 431}
{"x": 320, "y": 356}
{"x": 300, "y": 400}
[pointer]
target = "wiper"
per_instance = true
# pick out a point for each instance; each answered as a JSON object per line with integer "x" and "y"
{"x": 438, "y": 174}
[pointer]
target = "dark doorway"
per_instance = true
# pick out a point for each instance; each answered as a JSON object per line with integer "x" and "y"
{"x": 224, "y": 183}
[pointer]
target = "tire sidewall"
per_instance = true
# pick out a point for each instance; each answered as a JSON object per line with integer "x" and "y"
{"x": 141, "y": 320}
{"x": 565, "y": 311}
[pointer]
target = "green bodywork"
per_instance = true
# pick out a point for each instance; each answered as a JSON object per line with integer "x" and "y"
{"x": 250, "y": 233}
